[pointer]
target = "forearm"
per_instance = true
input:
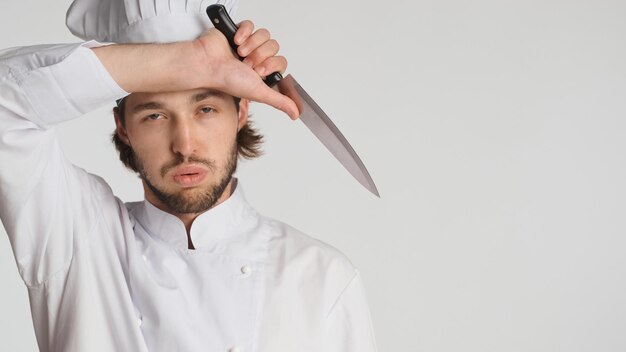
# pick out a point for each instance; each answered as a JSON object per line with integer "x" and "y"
{"x": 49, "y": 84}
{"x": 155, "y": 67}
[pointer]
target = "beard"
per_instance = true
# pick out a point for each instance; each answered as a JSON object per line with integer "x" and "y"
{"x": 191, "y": 201}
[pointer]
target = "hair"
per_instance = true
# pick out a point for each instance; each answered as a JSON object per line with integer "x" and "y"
{"x": 248, "y": 140}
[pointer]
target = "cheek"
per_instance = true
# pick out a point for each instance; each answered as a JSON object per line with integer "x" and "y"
{"x": 218, "y": 139}
{"x": 151, "y": 161}
{"x": 149, "y": 149}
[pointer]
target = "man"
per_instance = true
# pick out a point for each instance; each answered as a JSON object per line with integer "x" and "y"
{"x": 193, "y": 267}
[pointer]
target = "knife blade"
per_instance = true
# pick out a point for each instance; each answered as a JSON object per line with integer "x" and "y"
{"x": 314, "y": 118}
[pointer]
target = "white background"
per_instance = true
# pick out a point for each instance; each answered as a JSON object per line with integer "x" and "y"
{"x": 495, "y": 133}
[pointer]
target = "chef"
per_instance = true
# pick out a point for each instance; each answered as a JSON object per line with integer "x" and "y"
{"x": 193, "y": 267}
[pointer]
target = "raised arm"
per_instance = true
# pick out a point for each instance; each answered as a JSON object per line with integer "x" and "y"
{"x": 48, "y": 205}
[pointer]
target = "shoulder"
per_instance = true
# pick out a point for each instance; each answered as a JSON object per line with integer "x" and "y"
{"x": 308, "y": 257}
{"x": 301, "y": 244}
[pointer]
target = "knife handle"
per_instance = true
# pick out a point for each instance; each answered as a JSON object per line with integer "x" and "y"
{"x": 221, "y": 20}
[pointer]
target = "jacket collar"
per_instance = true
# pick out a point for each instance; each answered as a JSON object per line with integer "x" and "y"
{"x": 219, "y": 225}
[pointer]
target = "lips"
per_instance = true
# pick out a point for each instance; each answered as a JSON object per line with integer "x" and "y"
{"x": 189, "y": 175}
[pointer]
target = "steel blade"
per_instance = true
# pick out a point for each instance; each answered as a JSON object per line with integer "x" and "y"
{"x": 325, "y": 130}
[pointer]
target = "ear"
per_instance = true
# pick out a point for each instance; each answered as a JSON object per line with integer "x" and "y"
{"x": 243, "y": 113}
{"x": 119, "y": 128}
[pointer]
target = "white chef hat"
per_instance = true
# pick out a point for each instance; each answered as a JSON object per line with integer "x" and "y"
{"x": 141, "y": 21}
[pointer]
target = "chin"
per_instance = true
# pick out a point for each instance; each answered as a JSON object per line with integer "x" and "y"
{"x": 190, "y": 200}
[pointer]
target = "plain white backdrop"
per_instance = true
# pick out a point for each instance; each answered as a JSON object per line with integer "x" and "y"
{"x": 495, "y": 133}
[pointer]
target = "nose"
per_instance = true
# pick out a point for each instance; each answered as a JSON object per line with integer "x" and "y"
{"x": 184, "y": 141}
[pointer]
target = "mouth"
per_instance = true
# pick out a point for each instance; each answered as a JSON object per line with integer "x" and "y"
{"x": 189, "y": 175}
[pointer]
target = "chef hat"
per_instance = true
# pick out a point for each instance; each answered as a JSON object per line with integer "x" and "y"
{"x": 141, "y": 21}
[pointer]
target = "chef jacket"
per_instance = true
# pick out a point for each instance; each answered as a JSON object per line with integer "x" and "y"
{"x": 103, "y": 275}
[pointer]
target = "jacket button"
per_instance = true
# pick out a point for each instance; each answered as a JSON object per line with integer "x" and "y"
{"x": 246, "y": 269}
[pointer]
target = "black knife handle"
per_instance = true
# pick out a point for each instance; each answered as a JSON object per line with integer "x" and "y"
{"x": 221, "y": 20}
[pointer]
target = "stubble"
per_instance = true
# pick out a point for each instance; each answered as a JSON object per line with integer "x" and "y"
{"x": 192, "y": 200}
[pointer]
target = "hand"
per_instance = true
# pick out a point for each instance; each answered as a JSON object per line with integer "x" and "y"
{"x": 243, "y": 79}
{"x": 259, "y": 50}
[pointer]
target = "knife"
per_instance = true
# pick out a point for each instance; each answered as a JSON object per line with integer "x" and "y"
{"x": 310, "y": 113}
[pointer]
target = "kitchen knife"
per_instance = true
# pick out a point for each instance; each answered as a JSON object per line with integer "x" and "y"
{"x": 310, "y": 113}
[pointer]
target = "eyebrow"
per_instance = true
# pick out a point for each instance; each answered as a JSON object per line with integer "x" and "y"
{"x": 152, "y": 105}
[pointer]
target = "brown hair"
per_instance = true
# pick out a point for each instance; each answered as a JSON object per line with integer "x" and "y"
{"x": 248, "y": 140}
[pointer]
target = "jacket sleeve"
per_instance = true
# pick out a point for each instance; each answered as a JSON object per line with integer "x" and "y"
{"x": 349, "y": 324}
{"x": 47, "y": 205}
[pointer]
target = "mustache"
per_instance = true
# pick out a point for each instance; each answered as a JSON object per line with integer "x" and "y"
{"x": 180, "y": 160}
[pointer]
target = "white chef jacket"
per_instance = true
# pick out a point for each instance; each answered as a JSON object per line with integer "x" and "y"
{"x": 103, "y": 275}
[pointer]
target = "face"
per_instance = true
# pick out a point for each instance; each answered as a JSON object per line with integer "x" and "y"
{"x": 184, "y": 144}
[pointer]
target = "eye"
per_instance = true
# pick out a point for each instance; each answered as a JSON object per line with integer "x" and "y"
{"x": 207, "y": 110}
{"x": 154, "y": 117}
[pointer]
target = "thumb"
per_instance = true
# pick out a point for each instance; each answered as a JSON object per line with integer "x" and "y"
{"x": 279, "y": 101}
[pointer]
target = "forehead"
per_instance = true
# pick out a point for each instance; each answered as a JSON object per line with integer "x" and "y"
{"x": 174, "y": 99}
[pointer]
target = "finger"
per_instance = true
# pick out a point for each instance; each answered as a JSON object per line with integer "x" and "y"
{"x": 245, "y": 30}
{"x": 253, "y": 41}
{"x": 265, "y": 51}
{"x": 271, "y": 65}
